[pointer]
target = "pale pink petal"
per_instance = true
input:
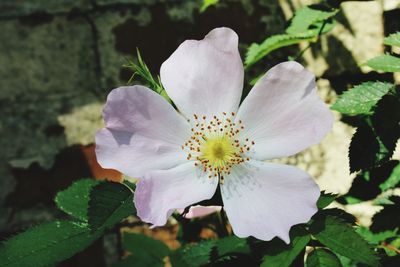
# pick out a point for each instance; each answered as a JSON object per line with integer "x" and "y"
{"x": 143, "y": 132}
{"x": 199, "y": 211}
{"x": 205, "y": 77}
{"x": 141, "y": 111}
{"x": 265, "y": 200}
{"x": 283, "y": 114}
{"x": 161, "y": 192}
{"x": 134, "y": 154}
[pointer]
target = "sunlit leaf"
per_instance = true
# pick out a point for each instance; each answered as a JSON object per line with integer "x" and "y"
{"x": 207, "y": 3}
{"x": 386, "y": 63}
{"x": 362, "y": 98}
{"x": 309, "y": 15}
{"x": 46, "y": 244}
{"x": 393, "y": 180}
{"x": 75, "y": 199}
{"x": 393, "y": 39}
{"x": 342, "y": 238}
{"x": 376, "y": 238}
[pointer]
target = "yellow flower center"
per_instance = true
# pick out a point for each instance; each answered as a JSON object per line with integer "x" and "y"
{"x": 214, "y": 145}
{"x": 219, "y": 151}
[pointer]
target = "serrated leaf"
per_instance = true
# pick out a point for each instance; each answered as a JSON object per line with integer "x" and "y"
{"x": 366, "y": 149}
{"x": 325, "y": 199}
{"x": 208, "y": 252}
{"x": 257, "y": 51}
{"x": 362, "y": 98}
{"x": 376, "y": 238}
{"x": 387, "y": 63}
{"x": 309, "y": 15}
{"x": 388, "y": 218}
{"x": 193, "y": 254}
{"x": 140, "y": 244}
{"x": 75, "y": 199}
{"x": 322, "y": 258}
{"x": 46, "y": 244}
{"x": 280, "y": 254}
{"x": 393, "y": 180}
{"x": 363, "y": 189}
{"x": 393, "y": 39}
{"x": 109, "y": 204}
{"x": 342, "y": 238}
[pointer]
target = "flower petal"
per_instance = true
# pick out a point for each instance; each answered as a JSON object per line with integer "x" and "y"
{"x": 139, "y": 110}
{"x": 161, "y": 192}
{"x": 205, "y": 77}
{"x": 133, "y": 154}
{"x": 283, "y": 113}
{"x": 143, "y": 132}
{"x": 199, "y": 211}
{"x": 265, "y": 200}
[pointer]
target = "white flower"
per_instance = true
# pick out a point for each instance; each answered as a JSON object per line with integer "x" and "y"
{"x": 182, "y": 157}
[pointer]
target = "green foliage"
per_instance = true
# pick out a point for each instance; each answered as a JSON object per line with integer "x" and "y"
{"x": 342, "y": 238}
{"x": 325, "y": 199}
{"x": 376, "y": 238}
{"x": 140, "y": 69}
{"x": 207, "y": 3}
{"x": 208, "y": 252}
{"x": 308, "y": 16}
{"x": 280, "y": 254}
{"x": 375, "y": 140}
{"x": 46, "y": 244}
{"x": 109, "y": 204}
{"x": 145, "y": 251}
{"x": 75, "y": 199}
{"x": 387, "y": 63}
{"x": 393, "y": 39}
{"x": 393, "y": 180}
{"x": 322, "y": 258}
{"x": 362, "y": 98}
{"x": 307, "y": 24}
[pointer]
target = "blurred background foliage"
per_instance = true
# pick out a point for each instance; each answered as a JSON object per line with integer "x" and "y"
{"x": 60, "y": 59}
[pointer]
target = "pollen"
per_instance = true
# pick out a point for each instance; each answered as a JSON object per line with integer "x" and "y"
{"x": 214, "y": 145}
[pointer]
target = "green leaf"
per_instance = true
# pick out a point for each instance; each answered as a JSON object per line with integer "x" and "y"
{"x": 207, "y": 3}
{"x": 257, "y": 51}
{"x": 341, "y": 238}
{"x": 109, "y": 204}
{"x": 193, "y": 254}
{"x": 140, "y": 69}
{"x": 322, "y": 258}
{"x": 280, "y": 254}
{"x": 208, "y": 252}
{"x": 75, "y": 199}
{"x": 308, "y": 16}
{"x": 386, "y": 63}
{"x": 367, "y": 149}
{"x": 393, "y": 39}
{"x": 46, "y": 244}
{"x": 393, "y": 180}
{"x": 139, "y": 261}
{"x": 362, "y": 98}
{"x": 140, "y": 244}
{"x": 376, "y": 238}
{"x": 325, "y": 199}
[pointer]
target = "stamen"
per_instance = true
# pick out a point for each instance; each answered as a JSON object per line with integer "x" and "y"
{"x": 214, "y": 145}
